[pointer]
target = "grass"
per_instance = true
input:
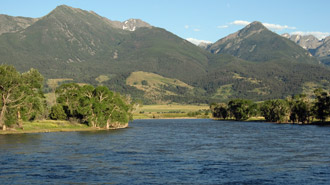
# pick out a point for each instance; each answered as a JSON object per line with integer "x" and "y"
{"x": 153, "y": 85}
{"x": 136, "y": 78}
{"x": 172, "y": 108}
{"x": 169, "y": 111}
{"x": 48, "y": 126}
{"x": 224, "y": 91}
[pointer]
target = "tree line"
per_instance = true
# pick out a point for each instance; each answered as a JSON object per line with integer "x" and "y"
{"x": 22, "y": 99}
{"x": 294, "y": 109}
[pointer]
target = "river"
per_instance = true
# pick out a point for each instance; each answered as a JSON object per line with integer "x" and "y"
{"x": 176, "y": 151}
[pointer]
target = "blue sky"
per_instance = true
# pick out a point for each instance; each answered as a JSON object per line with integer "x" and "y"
{"x": 208, "y": 20}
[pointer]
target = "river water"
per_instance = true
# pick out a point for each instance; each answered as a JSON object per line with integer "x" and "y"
{"x": 171, "y": 152}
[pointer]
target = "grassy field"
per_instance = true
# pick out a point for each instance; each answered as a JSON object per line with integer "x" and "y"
{"x": 48, "y": 126}
{"x": 153, "y": 85}
{"x": 171, "y": 111}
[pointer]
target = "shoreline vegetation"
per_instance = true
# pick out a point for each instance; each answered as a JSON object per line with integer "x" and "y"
{"x": 44, "y": 126}
{"x": 23, "y": 104}
{"x": 82, "y": 107}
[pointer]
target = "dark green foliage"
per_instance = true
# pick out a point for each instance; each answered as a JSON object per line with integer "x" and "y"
{"x": 301, "y": 109}
{"x": 144, "y": 82}
{"x": 322, "y": 105}
{"x": 297, "y": 109}
{"x": 97, "y": 107}
{"x": 275, "y": 110}
{"x": 57, "y": 112}
{"x": 219, "y": 110}
{"x": 68, "y": 96}
{"x": 241, "y": 109}
{"x": 21, "y": 95}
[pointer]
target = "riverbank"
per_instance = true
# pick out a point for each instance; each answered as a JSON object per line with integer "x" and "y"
{"x": 262, "y": 120}
{"x": 41, "y": 126}
{"x": 172, "y": 111}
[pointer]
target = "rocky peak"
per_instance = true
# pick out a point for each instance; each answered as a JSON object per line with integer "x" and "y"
{"x": 252, "y": 28}
{"x": 305, "y": 41}
{"x": 132, "y": 24}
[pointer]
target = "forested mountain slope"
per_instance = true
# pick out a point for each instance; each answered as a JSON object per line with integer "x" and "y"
{"x": 81, "y": 45}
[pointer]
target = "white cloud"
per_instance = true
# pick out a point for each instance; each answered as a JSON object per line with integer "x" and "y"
{"x": 268, "y": 25}
{"x": 196, "y": 29}
{"x": 317, "y": 34}
{"x": 278, "y": 27}
{"x": 240, "y": 22}
{"x": 222, "y": 27}
{"x": 186, "y": 26}
{"x": 196, "y": 41}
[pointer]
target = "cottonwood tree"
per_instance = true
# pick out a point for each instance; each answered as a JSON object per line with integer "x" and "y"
{"x": 21, "y": 95}
{"x": 219, "y": 110}
{"x": 68, "y": 95}
{"x": 241, "y": 109}
{"x": 274, "y": 110}
{"x": 300, "y": 109}
{"x": 322, "y": 105}
{"x": 97, "y": 107}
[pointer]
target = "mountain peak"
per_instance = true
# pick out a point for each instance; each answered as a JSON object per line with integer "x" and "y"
{"x": 256, "y": 23}
{"x": 256, "y": 43}
{"x": 254, "y": 27}
{"x": 132, "y": 24}
{"x": 62, "y": 8}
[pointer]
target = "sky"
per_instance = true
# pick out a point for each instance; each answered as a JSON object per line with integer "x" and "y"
{"x": 196, "y": 20}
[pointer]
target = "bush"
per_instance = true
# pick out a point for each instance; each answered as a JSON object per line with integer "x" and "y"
{"x": 57, "y": 112}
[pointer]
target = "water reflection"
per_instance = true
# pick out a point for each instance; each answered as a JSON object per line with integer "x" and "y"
{"x": 18, "y": 140}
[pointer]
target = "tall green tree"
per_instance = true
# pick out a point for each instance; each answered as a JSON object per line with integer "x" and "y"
{"x": 322, "y": 105}
{"x": 68, "y": 96}
{"x": 97, "y": 107}
{"x": 21, "y": 95}
{"x": 57, "y": 112}
{"x": 219, "y": 110}
{"x": 300, "y": 109}
{"x": 275, "y": 110}
{"x": 241, "y": 109}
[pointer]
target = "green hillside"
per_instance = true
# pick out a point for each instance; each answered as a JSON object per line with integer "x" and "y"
{"x": 71, "y": 43}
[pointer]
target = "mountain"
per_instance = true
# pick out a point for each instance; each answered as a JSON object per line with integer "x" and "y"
{"x": 270, "y": 66}
{"x": 318, "y": 48}
{"x": 323, "y": 51}
{"x": 68, "y": 41}
{"x": 204, "y": 45}
{"x": 256, "y": 43}
{"x": 152, "y": 64}
{"x": 305, "y": 41}
{"x": 10, "y": 24}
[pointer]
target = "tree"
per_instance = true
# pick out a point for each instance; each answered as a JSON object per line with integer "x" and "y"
{"x": 219, "y": 110}
{"x": 57, "y": 112}
{"x": 68, "y": 95}
{"x": 274, "y": 110}
{"x": 34, "y": 103}
{"x": 240, "y": 108}
{"x": 21, "y": 95}
{"x": 300, "y": 109}
{"x": 321, "y": 105}
{"x": 97, "y": 107}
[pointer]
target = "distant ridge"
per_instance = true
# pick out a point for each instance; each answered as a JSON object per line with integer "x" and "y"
{"x": 256, "y": 43}
{"x": 70, "y": 43}
{"x": 318, "y": 48}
